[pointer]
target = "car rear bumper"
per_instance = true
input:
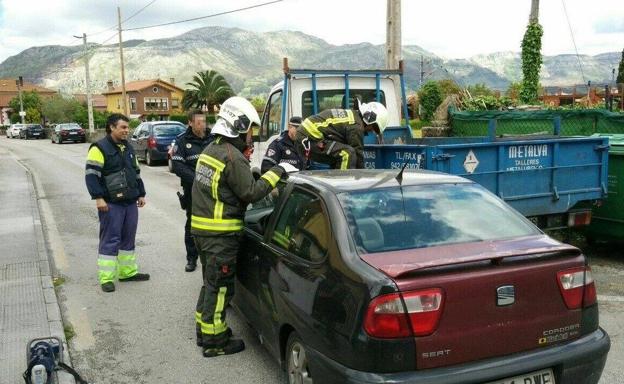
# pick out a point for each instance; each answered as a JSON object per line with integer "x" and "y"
{"x": 577, "y": 362}
{"x": 158, "y": 155}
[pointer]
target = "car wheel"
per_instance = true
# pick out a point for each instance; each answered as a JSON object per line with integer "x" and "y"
{"x": 297, "y": 368}
{"x": 148, "y": 159}
{"x": 170, "y": 165}
{"x": 60, "y": 141}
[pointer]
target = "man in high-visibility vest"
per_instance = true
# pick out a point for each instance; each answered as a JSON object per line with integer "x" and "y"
{"x": 336, "y": 136}
{"x": 223, "y": 187}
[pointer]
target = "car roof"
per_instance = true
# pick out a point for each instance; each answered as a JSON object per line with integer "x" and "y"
{"x": 359, "y": 179}
{"x": 164, "y": 122}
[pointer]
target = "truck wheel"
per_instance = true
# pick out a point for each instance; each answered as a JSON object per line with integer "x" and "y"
{"x": 297, "y": 368}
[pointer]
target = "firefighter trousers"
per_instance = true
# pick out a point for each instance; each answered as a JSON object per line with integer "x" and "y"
{"x": 218, "y": 258}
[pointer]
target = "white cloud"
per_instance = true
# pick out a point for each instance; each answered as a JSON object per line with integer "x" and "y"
{"x": 450, "y": 28}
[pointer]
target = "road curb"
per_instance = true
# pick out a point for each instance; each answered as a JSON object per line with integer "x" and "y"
{"x": 55, "y": 319}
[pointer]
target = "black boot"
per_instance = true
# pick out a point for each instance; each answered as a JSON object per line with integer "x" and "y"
{"x": 198, "y": 334}
{"x": 190, "y": 266}
{"x": 137, "y": 277}
{"x": 108, "y": 287}
{"x": 231, "y": 347}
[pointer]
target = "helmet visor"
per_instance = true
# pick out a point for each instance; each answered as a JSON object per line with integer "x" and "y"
{"x": 242, "y": 124}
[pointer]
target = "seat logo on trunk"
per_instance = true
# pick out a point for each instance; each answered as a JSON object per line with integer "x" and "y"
{"x": 505, "y": 295}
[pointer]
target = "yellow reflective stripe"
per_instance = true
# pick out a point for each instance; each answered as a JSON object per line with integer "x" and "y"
{"x": 280, "y": 239}
{"x": 107, "y": 263}
{"x": 218, "y": 210}
{"x": 221, "y": 225}
{"x": 210, "y": 329}
{"x": 313, "y": 128}
{"x": 212, "y": 162}
{"x": 271, "y": 177}
{"x": 198, "y": 317}
{"x": 95, "y": 155}
{"x": 215, "y": 185}
{"x": 345, "y": 159}
{"x": 218, "y": 313}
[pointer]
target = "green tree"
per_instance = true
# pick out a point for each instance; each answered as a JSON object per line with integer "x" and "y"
{"x": 449, "y": 87}
{"x": 620, "y": 76}
{"x": 258, "y": 102}
{"x": 208, "y": 89}
{"x": 513, "y": 91}
{"x": 31, "y": 100}
{"x": 531, "y": 62}
{"x": 430, "y": 97}
{"x": 33, "y": 116}
{"x": 58, "y": 109}
{"x": 479, "y": 90}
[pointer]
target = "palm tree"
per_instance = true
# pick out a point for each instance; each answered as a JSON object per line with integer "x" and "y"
{"x": 208, "y": 89}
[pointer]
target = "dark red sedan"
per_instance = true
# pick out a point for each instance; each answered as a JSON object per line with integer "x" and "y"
{"x": 361, "y": 276}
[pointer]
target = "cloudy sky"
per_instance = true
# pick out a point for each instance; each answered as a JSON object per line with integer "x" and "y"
{"x": 448, "y": 28}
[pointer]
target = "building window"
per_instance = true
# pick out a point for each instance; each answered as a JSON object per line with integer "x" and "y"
{"x": 175, "y": 103}
{"x": 133, "y": 106}
{"x": 156, "y": 104}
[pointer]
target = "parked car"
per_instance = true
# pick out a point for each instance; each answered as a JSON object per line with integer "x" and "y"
{"x": 32, "y": 131}
{"x": 61, "y": 133}
{"x": 151, "y": 140}
{"x": 14, "y": 130}
{"x": 363, "y": 276}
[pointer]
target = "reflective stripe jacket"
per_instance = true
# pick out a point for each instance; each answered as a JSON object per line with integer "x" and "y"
{"x": 282, "y": 149}
{"x": 186, "y": 151}
{"x": 223, "y": 187}
{"x": 106, "y": 157}
{"x": 341, "y": 125}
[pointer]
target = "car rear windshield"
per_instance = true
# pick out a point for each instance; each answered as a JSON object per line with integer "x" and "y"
{"x": 168, "y": 129}
{"x": 34, "y": 127}
{"x": 70, "y": 127}
{"x": 423, "y": 216}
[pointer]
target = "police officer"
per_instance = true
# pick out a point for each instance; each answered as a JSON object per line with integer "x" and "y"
{"x": 223, "y": 187}
{"x": 113, "y": 179}
{"x": 336, "y": 136}
{"x": 283, "y": 149}
{"x": 188, "y": 147}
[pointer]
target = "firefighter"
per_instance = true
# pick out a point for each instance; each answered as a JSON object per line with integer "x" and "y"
{"x": 223, "y": 187}
{"x": 283, "y": 149}
{"x": 186, "y": 151}
{"x": 113, "y": 179}
{"x": 336, "y": 136}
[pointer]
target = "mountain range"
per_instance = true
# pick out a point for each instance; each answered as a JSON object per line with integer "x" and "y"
{"x": 251, "y": 62}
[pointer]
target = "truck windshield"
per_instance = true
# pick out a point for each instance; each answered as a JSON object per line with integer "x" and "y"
{"x": 389, "y": 219}
{"x": 334, "y": 98}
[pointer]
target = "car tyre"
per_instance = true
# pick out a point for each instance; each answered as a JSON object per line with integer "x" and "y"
{"x": 297, "y": 363}
{"x": 170, "y": 165}
{"x": 60, "y": 141}
{"x": 148, "y": 158}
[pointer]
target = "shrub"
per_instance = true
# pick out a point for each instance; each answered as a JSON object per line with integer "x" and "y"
{"x": 430, "y": 98}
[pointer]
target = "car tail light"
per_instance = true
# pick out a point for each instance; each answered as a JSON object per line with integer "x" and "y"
{"x": 151, "y": 142}
{"x": 412, "y": 313}
{"x": 577, "y": 287}
{"x": 578, "y": 219}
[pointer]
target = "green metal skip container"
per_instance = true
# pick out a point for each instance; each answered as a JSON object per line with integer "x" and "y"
{"x": 608, "y": 220}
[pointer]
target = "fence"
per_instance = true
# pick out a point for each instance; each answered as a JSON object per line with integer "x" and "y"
{"x": 572, "y": 123}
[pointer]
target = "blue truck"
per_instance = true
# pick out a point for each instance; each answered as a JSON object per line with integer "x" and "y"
{"x": 552, "y": 180}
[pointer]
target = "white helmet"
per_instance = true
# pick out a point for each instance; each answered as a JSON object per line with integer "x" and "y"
{"x": 239, "y": 115}
{"x": 375, "y": 113}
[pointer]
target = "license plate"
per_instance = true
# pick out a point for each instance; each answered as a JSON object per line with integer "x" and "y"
{"x": 539, "y": 377}
{"x": 73, "y": 133}
{"x": 35, "y": 134}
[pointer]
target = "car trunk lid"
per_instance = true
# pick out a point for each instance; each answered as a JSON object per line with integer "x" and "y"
{"x": 499, "y": 297}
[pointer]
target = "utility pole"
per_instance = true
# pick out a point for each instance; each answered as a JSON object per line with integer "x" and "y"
{"x": 123, "y": 75}
{"x": 88, "y": 80}
{"x": 20, "y": 83}
{"x": 393, "y": 42}
{"x": 422, "y": 71}
{"x": 534, "y": 18}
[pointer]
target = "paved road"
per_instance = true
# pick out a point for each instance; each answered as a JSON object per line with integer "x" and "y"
{"x": 144, "y": 332}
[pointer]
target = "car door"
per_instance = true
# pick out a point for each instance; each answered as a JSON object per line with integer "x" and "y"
{"x": 139, "y": 140}
{"x": 292, "y": 264}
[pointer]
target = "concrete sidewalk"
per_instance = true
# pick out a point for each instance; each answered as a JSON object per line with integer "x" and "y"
{"x": 28, "y": 304}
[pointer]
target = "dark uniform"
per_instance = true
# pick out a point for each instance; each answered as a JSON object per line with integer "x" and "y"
{"x": 187, "y": 149}
{"x": 283, "y": 149}
{"x": 223, "y": 187}
{"x": 336, "y": 138}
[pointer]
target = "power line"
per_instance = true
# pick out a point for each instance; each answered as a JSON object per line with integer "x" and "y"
{"x": 573, "y": 41}
{"x": 204, "y": 17}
